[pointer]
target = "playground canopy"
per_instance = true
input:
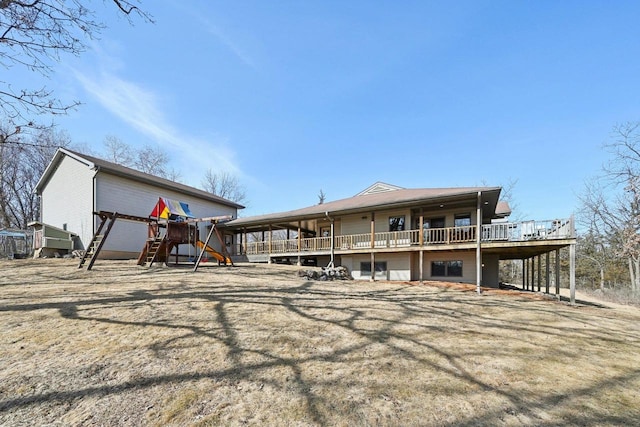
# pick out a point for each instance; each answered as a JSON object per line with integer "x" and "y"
{"x": 171, "y": 209}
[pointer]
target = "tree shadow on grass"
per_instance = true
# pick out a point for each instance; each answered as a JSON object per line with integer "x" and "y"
{"x": 350, "y": 311}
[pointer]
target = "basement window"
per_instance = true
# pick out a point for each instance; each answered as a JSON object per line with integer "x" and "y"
{"x": 380, "y": 266}
{"x": 446, "y": 268}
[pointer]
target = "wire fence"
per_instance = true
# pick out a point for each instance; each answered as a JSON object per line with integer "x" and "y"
{"x": 15, "y": 243}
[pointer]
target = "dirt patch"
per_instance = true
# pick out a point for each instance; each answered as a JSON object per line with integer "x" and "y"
{"x": 256, "y": 344}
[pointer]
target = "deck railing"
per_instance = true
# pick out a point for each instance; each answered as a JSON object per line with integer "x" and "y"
{"x": 529, "y": 230}
{"x": 520, "y": 231}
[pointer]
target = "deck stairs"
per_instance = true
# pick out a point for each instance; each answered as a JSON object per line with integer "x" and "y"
{"x": 95, "y": 246}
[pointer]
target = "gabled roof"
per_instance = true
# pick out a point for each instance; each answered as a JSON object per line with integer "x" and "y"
{"x": 378, "y": 187}
{"x": 100, "y": 165}
{"x": 378, "y": 200}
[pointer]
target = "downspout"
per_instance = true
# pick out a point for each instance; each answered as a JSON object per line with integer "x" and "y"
{"x": 478, "y": 239}
{"x": 331, "y": 265}
{"x": 94, "y": 203}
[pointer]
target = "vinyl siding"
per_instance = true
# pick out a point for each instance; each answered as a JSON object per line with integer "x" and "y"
{"x": 468, "y": 259}
{"x": 67, "y": 199}
{"x": 398, "y": 266}
{"x": 118, "y": 194}
{"x": 361, "y": 223}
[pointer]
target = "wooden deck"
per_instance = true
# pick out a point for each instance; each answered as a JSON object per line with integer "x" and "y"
{"x": 536, "y": 233}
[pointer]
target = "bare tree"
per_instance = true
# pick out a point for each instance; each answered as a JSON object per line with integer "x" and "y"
{"x": 148, "y": 159}
{"x": 34, "y": 35}
{"x": 321, "y": 197}
{"x": 117, "y": 151}
{"x": 611, "y": 202}
{"x": 23, "y": 159}
{"x": 151, "y": 160}
{"x": 225, "y": 185}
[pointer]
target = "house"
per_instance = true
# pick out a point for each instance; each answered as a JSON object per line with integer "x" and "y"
{"x": 387, "y": 232}
{"x": 75, "y": 185}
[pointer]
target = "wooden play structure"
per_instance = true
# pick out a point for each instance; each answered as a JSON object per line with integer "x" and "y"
{"x": 169, "y": 225}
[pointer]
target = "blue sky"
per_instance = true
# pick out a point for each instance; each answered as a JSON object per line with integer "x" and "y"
{"x": 295, "y": 97}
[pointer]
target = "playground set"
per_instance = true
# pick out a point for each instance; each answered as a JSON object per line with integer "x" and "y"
{"x": 169, "y": 225}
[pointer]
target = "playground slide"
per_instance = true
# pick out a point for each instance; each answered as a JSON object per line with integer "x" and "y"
{"x": 217, "y": 255}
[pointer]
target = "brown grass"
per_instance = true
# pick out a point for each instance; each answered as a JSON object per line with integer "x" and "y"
{"x": 125, "y": 345}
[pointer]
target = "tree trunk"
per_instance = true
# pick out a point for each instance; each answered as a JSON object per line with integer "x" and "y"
{"x": 636, "y": 286}
{"x": 634, "y": 271}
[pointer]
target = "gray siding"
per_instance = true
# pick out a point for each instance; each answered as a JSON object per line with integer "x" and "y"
{"x": 398, "y": 266}
{"x": 118, "y": 194}
{"x": 468, "y": 259}
{"x": 68, "y": 198}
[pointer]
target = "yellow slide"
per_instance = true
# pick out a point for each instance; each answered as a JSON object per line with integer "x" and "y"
{"x": 217, "y": 255}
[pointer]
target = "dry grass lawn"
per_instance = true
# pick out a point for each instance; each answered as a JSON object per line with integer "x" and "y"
{"x": 256, "y": 345}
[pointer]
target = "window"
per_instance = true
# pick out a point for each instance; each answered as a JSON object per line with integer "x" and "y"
{"x": 434, "y": 223}
{"x": 396, "y": 223}
{"x": 434, "y": 231}
{"x": 462, "y": 220}
{"x": 365, "y": 268}
{"x": 438, "y": 268}
{"x": 446, "y": 268}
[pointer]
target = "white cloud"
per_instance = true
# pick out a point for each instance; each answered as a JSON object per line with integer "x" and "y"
{"x": 139, "y": 107}
{"x": 226, "y": 41}
{"x": 201, "y": 15}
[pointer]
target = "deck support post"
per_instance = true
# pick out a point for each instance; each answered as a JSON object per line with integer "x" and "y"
{"x": 572, "y": 273}
{"x": 299, "y": 263}
{"x": 539, "y": 272}
{"x": 533, "y": 274}
{"x": 332, "y": 247}
{"x": 557, "y": 272}
{"x": 478, "y": 250}
{"x": 373, "y": 230}
{"x": 373, "y": 245}
{"x": 244, "y": 242}
{"x": 270, "y": 238}
{"x": 421, "y": 242}
{"x": 373, "y": 267}
{"x": 524, "y": 274}
{"x": 547, "y": 272}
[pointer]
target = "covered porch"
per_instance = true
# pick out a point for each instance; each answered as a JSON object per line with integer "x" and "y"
{"x": 278, "y": 240}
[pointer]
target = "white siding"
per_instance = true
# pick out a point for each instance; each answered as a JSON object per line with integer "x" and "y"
{"x": 398, "y": 266}
{"x": 355, "y": 224}
{"x": 67, "y": 198}
{"x": 468, "y": 259}
{"x": 118, "y": 194}
{"x": 361, "y": 223}
{"x": 449, "y": 215}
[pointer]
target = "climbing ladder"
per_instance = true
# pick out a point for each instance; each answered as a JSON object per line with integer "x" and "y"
{"x": 154, "y": 248}
{"x": 92, "y": 252}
